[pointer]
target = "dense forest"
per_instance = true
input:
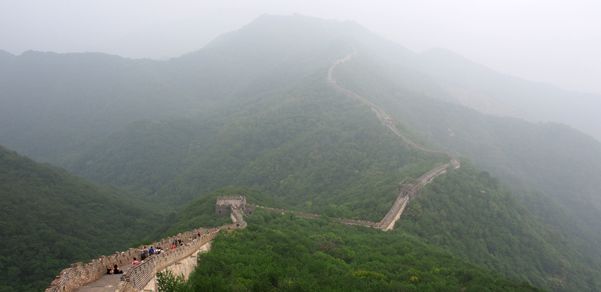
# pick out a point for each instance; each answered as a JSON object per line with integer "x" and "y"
{"x": 552, "y": 168}
{"x": 50, "y": 219}
{"x": 306, "y": 148}
{"x": 161, "y": 139}
{"x": 475, "y": 217}
{"x": 284, "y": 253}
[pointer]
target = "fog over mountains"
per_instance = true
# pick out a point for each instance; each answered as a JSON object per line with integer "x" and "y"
{"x": 494, "y": 93}
{"x": 253, "y": 110}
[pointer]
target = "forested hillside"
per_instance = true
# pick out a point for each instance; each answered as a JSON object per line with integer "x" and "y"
{"x": 553, "y": 160}
{"x": 80, "y": 97}
{"x": 490, "y": 92}
{"x": 284, "y": 253}
{"x": 498, "y": 232}
{"x": 253, "y": 111}
{"x": 472, "y": 216}
{"x": 50, "y": 219}
{"x": 307, "y": 147}
{"x": 549, "y": 157}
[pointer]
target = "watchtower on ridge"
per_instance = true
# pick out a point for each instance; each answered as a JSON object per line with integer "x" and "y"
{"x": 225, "y": 204}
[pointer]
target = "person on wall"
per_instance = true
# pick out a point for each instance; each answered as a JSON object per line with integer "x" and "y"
{"x": 116, "y": 270}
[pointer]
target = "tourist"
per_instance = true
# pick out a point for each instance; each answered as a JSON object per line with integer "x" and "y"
{"x": 135, "y": 262}
{"x": 151, "y": 251}
{"x": 116, "y": 270}
{"x": 144, "y": 253}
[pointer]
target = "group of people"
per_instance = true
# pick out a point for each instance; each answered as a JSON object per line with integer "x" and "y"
{"x": 146, "y": 252}
{"x": 114, "y": 270}
{"x": 176, "y": 242}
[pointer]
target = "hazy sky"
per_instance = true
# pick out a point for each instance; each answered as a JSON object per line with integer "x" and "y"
{"x": 556, "y": 41}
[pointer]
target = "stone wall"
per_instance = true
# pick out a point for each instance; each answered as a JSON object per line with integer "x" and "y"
{"x": 306, "y": 215}
{"x": 183, "y": 267}
{"x": 138, "y": 277}
{"x": 408, "y": 191}
{"x": 224, "y": 204}
{"x": 80, "y": 274}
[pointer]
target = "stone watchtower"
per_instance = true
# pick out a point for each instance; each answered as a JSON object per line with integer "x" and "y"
{"x": 225, "y": 204}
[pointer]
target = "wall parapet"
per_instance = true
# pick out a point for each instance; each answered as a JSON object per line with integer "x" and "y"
{"x": 80, "y": 274}
{"x": 137, "y": 277}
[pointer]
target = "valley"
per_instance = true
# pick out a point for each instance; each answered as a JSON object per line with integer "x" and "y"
{"x": 331, "y": 133}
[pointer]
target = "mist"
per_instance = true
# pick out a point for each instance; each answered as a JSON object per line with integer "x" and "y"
{"x": 294, "y": 145}
{"x": 548, "y": 41}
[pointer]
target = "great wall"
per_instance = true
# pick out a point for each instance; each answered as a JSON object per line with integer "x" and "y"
{"x": 406, "y": 191}
{"x": 92, "y": 276}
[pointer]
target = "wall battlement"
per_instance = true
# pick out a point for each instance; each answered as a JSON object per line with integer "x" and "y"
{"x": 136, "y": 278}
{"x": 225, "y": 204}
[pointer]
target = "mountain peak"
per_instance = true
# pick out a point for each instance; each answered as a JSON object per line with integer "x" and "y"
{"x": 284, "y": 35}
{"x": 300, "y": 20}
{"x": 4, "y": 55}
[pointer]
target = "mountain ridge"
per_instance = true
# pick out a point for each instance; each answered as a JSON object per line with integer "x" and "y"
{"x": 50, "y": 219}
{"x": 489, "y": 91}
{"x": 264, "y": 117}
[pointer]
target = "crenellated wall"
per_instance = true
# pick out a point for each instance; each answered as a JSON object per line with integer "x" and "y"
{"x": 80, "y": 274}
{"x": 408, "y": 191}
{"x": 136, "y": 278}
{"x": 183, "y": 267}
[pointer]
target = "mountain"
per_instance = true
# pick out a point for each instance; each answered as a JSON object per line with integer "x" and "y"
{"x": 285, "y": 253}
{"x": 81, "y": 96}
{"x": 483, "y": 89}
{"x": 504, "y": 234}
{"x": 560, "y": 164}
{"x": 553, "y": 159}
{"x": 50, "y": 219}
{"x": 307, "y": 147}
{"x": 253, "y": 110}
{"x": 61, "y": 101}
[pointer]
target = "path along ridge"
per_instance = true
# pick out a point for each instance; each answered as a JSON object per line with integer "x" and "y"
{"x": 407, "y": 191}
{"x": 91, "y": 276}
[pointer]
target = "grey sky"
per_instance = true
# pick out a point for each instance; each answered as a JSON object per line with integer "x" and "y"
{"x": 553, "y": 41}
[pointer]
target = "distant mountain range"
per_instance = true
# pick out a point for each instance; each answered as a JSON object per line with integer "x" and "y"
{"x": 253, "y": 110}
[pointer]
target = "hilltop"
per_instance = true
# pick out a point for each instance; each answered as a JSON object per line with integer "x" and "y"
{"x": 254, "y": 110}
